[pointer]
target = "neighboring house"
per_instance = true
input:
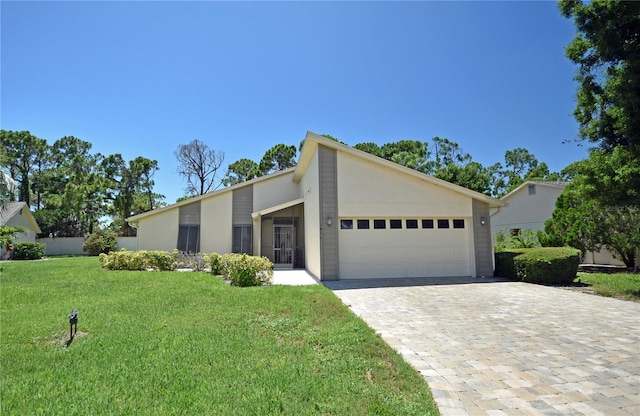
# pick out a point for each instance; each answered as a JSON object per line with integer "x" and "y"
{"x": 340, "y": 214}
{"x": 17, "y": 214}
{"x": 529, "y": 206}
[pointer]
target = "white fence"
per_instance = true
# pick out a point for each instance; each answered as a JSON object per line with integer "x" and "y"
{"x": 56, "y": 246}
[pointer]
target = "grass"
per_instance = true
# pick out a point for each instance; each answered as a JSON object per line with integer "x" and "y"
{"x": 618, "y": 285}
{"x": 163, "y": 343}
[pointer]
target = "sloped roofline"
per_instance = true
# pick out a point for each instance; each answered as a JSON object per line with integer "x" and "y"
{"x": 550, "y": 184}
{"x": 210, "y": 194}
{"x": 312, "y": 140}
{"x": 12, "y": 208}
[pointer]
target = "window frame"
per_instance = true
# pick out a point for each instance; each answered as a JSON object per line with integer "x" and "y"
{"x": 376, "y": 223}
{"x": 414, "y": 224}
{"x": 189, "y": 229}
{"x": 346, "y": 224}
{"x": 246, "y": 233}
{"x": 395, "y": 224}
{"x": 360, "y": 224}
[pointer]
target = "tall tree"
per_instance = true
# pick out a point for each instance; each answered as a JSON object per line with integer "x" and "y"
{"x": 199, "y": 165}
{"x": 22, "y": 153}
{"x": 71, "y": 186}
{"x": 612, "y": 178}
{"x": 471, "y": 175}
{"x": 606, "y": 49}
{"x": 125, "y": 183}
{"x": 520, "y": 165}
{"x": 410, "y": 153}
{"x": 240, "y": 171}
{"x": 588, "y": 225}
{"x": 369, "y": 147}
{"x": 278, "y": 158}
{"x": 447, "y": 152}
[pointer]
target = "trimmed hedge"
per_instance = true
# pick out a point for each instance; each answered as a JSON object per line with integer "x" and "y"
{"x": 542, "y": 265}
{"x": 505, "y": 266}
{"x": 139, "y": 260}
{"x": 26, "y": 250}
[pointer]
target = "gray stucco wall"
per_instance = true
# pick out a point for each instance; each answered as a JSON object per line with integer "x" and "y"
{"x": 242, "y": 205}
{"x": 482, "y": 239}
{"x": 189, "y": 214}
{"x": 328, "y": 190}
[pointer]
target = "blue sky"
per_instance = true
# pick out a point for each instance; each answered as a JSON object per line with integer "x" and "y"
{"x": 139, "y": 78}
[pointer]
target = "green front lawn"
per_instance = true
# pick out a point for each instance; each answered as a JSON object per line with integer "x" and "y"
{"x": 617, "y": 285}
{"x": 187, "y": 343}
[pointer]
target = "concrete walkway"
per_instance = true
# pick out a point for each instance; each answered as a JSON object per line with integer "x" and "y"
{"x": 293, "y": 278}
{"x": 490, "y": 347}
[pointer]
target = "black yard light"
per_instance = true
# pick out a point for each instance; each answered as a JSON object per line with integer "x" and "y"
{"x": 73, "y": 321}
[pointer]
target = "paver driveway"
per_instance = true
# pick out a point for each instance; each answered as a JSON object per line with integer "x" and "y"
{"x": 487, "y": 346}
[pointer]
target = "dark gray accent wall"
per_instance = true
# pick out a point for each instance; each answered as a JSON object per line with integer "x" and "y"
{"x": 482, "y": 239}
{"x": 242, "y": 205}
{"x": 189, "y": 214}
{"x": 328, "y": 190}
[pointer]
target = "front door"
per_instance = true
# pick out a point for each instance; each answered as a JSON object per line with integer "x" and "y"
{"x": 283, "y": 244}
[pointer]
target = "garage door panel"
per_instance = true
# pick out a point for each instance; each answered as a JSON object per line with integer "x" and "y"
{"x": 404, "y": 253}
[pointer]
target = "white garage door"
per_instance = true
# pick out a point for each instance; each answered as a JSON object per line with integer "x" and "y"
{"x": 404, "y": 248}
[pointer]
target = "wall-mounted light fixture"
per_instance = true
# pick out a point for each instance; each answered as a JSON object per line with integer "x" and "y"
{"x": 328, "y": 220}
{"x": 483, "y": 220}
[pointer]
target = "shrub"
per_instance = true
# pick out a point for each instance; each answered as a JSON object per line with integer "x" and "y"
{"x": 548, "y": 265}
{"x": 27, "y": 250}
{"x": 196, "y": 261}
{"x": 139, "y": 260}
{"x": 244, "y": 270}
{"x": 101, "y": 241}
{"x": 215, "y": 264}
{"x": 505, "y": 266}
{"x": 525, "y": 238}
{"x": 161, "y": 260}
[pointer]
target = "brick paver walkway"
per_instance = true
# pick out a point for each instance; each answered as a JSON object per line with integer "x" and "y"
{"x": 489, "y": 347}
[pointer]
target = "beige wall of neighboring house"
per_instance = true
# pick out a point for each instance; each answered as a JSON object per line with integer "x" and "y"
{"x": 21, "y": 220}
{"x": 530, "y": 205}
{"x": 17, "y": 214}
{"x": 528, "y": 208}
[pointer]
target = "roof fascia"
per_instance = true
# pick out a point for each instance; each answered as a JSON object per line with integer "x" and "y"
{"x": 269, "y": 210}
{"x": 320, "y": 140}
{"x": 550, "y": 184}
{"x": 27, "y": 213}
{"x": 212, "y": 194}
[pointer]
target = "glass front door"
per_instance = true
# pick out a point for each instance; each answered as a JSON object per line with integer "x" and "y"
{"x": 283, "y": 244}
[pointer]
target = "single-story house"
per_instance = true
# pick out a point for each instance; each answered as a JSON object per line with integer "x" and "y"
{"x": 17, "y": 214}
{"x": 340, "y": 214}
{"x": 529, "y": 206}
